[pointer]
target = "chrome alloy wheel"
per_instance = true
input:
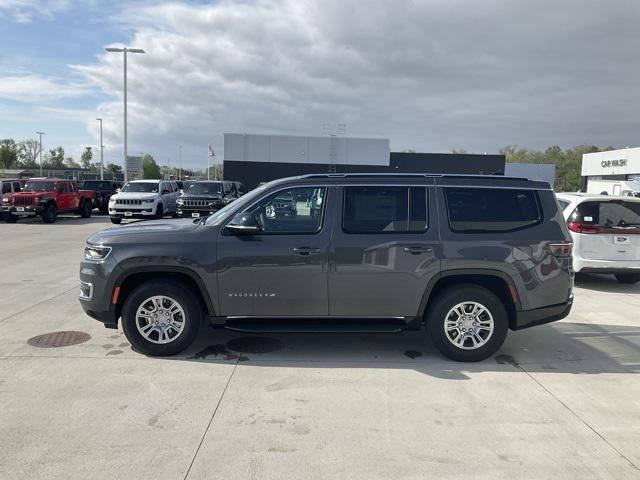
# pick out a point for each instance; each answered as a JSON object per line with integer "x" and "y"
{"x": 160, "y": 319}
{"x": 468, "y": 325}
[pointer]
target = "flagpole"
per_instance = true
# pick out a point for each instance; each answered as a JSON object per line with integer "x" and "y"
{"x": 208, "y": 167}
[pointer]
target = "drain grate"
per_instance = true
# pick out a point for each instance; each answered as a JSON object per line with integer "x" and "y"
{"x": 58, "y": 339}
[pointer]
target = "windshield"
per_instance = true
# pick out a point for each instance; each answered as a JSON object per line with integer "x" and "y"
{"x": 204, "y": 188}
{"x": 40, "y": 186}
{"x": 144, "y": 187}
{"x": 222, "y": 214}
{"x": 96, "y": 184}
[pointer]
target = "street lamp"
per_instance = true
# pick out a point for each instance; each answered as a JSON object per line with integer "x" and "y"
{"x": 125, "y": 50}
{"x": 101, "y": 152}
{"x": 40, "y": 133}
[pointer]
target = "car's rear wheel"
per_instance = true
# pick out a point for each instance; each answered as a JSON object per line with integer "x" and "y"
{"x": 10, "y": 218}
{"x": 161, "y": 317}
{"x": 628, "y": 277}
{"x": 116, "y": 220}
{"x": 50, "y": 214}
{"x": 85, "y": 209}
{"x": 467, "y": 323}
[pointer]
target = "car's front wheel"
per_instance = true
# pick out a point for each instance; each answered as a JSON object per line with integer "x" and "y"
{"x": 628, "y": 277}
{"x": 9, "y": 218}
{"x": 161, "y": 317}
{"x": 85, "y": 209}
{"x": 50, "y": 214}
{"x": 467, "y": 323}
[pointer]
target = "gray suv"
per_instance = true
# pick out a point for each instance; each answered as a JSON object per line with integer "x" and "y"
{"x": 470, "y": 257}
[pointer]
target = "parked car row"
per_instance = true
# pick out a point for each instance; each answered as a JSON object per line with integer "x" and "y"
{"x": 142, "y": 199}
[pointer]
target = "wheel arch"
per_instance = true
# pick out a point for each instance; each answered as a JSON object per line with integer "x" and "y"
{"x": 495, "y": 281}
{"x": 129, "y": 280}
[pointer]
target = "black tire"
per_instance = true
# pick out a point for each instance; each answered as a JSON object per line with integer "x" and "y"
{"x": 85, "y": 209}
{"x": 50, "y": 214}
{"x": 116, "y": 220}
{"x": 176, "y": 291}
{"x": 159, "y": 211}
{"x": 446, "y": 301}
{"x": 628, "y": 278}
{"x": 10, "y": 218}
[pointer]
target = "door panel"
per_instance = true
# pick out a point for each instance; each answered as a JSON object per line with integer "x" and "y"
{"x": 280, "y": 271}
{"x": 386, "y": 273}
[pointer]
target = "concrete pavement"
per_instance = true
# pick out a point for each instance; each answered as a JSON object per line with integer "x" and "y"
{"x": 559, "y": 401}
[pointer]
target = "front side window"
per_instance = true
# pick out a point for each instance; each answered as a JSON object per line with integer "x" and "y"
{"x": 384, "y": 209}
{"x": 491, "y": 209}
{"x": 295, "y": 210}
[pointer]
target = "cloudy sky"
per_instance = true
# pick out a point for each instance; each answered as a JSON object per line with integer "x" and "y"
{"x": 431, "y": 75}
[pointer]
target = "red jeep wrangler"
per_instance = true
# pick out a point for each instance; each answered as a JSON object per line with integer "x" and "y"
{"x": 48, "y": 197}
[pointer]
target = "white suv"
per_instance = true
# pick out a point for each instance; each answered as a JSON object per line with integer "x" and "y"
{"x": 606, "y": 233}
{"x": 144, "y": 199}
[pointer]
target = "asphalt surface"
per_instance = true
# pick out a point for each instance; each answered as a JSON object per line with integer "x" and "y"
{"x": 558, "y": 401}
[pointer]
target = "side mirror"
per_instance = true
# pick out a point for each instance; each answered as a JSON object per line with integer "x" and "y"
{"x": 243, "y": 223}
{"x": 117, "y": 190}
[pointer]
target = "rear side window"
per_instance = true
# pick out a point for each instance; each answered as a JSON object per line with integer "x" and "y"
{"x": 384, "y": 209}
{"x": 610, "y": 214}
{"x": 477, "y": 210}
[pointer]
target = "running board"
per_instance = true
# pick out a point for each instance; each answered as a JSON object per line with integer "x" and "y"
{"x": 316, "y": 326}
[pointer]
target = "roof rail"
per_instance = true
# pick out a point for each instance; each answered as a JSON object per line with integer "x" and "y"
{"x": 399, "y": 175}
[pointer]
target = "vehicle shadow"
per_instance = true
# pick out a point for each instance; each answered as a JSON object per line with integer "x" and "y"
{"x": 563, "y": 347}
{"x": 64, "y": 219}
{"x": 604, "y": 283}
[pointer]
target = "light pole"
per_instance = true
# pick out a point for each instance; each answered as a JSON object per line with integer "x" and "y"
{"x": 180, "y": 160}
{"x": 125, "y": 50}
{"x": 101, "y": 152}
{"x": 40, "y": 133}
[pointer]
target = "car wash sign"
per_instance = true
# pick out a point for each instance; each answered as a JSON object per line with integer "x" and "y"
{"x": 614, "y": 162}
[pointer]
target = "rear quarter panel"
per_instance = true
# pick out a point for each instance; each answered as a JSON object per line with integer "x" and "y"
{"x": 540, "y": 278}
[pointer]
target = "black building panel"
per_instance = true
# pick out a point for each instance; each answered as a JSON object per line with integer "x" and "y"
{"x": 252, "y": 173}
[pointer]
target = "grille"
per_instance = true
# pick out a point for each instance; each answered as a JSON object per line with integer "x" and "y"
{"x": 198, "y": 203}
{"x": 23, "y": 200}
{"x": 128, "y": 202}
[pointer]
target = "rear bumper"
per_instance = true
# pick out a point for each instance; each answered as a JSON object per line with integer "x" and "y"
{"x": 540, "y": 316}
{"x": 605, "y": 266}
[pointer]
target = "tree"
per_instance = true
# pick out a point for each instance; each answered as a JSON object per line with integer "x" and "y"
{"x": 55, "y": 158}
{"x": 113, "y": 168}
{"x": 85, "y": 158}
{"x": 28, "y": 152}
{"x": 8, "y": 153}
{"x": 69, "y": 162}
{"x": 150, "y": 168}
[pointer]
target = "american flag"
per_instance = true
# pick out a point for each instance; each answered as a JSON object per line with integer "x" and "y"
{"x": 211, "y": 152}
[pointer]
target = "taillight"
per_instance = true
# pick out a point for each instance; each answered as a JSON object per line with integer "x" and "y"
{"x": 561, "y": 249}
{"x": 583, "y": 227}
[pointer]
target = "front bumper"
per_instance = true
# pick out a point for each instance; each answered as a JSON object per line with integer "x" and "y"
{"x": 28, "y": 210}
{"x": 140, "y": 212}
{"x": 184, "y": 211}
{"x": 96, "y": 290}
{"x": 540, "y": 316}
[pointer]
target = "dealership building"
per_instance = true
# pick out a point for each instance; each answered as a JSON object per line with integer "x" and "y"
{"x": 252, "y": 159}
{"x": 623, "y": 164}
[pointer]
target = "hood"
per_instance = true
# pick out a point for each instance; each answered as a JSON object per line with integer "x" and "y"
{"x": 146, "y": 231}
{"x": 33, "y": 194}
{"x": 135, "y": 196}
{"x": 213, "y": 196}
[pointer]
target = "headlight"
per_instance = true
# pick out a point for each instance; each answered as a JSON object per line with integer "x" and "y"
{"x": 5, "y": 199}
{"x": 112, "y": 200}
{"x": 180, "y": 201}
{"x": 148, "y": 201}
{"x": 95, "y": 253}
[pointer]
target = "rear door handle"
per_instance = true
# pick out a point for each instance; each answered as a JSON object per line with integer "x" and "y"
{"x": 306, "y": 250}
{"x": 417, "y": 250}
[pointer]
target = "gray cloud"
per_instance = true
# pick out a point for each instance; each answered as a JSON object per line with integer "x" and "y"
{"x": 430, "y": 75}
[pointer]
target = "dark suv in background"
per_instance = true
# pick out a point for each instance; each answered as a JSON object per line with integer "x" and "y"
{"x": 205, "y": 197}
{"x": 104, "y": 189}
{"x": 470, "y": 257}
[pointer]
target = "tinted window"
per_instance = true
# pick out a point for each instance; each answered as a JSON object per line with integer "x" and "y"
{"x": 6, "y": 187}
{"x": 491, "y": 210}
{"x": 384, "y": 209}
{"x": 616, "y": 213}
{"x": 295, "y": 210}
{"x": 205, "y": 188}
{"x": 16, "y": 187}
{"x": 96, "y": 185}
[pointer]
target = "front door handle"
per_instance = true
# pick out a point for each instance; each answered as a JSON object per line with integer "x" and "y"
{"x": 306, "y": 250}
{"x": 417, "y": 250}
